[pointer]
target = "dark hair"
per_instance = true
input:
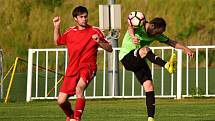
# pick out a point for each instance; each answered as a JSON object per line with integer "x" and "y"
{"x": 158, "y": 22}
{"x": 79, "y": 10}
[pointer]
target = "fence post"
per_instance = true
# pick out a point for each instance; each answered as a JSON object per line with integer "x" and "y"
{"x": 179, "y": 74}
{"x": 29, "y": 76}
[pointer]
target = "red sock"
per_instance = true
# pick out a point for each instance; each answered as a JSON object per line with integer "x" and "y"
{"x": 79, "y": 108}
{"x": 66, "y": 107}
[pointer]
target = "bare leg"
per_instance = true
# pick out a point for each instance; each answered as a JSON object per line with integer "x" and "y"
{"x": 65, "y": 105}
{"x": 80, "y": 101}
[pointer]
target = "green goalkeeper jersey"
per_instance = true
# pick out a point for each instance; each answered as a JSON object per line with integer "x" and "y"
{"x": 144, "y": 39}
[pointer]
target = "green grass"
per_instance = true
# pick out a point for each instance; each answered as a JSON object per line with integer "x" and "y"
{"x": 114, "y": 110}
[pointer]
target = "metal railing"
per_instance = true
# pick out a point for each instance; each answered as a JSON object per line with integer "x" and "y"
{"x": 166, "y": 85}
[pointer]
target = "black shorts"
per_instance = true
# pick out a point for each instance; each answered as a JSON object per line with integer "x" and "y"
{"x": 132, "y": 62}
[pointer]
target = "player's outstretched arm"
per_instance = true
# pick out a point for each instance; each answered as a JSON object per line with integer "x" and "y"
{"x": 131, "y": 33}
{"x": 56, "y": 22}
{"x": 105, "y": 45}
{"x": 179, "y": 45}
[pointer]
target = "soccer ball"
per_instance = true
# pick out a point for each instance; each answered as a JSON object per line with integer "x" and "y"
{"x": 136, "y": 19}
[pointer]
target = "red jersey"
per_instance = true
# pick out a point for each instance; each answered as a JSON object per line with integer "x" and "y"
{"x": 82, "y": 49}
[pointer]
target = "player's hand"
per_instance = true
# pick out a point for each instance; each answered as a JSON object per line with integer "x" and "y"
{"x": 56, "y": 21}
{"x": 189, "y": 52}
{"x": 135, "y": 40}
{"x": 96, "y": 38}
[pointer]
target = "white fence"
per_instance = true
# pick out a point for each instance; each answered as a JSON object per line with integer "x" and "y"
{"x": 191, "y": 79}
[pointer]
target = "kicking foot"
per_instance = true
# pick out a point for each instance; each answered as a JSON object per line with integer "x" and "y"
{"x": 150, "y": 119}
{"x": 171, "y": 64}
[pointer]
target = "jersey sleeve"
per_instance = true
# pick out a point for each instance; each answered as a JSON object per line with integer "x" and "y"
{"x": 101, "y": 35}
{"x": 162, "y": 38}
{"x": 63, "y": 38}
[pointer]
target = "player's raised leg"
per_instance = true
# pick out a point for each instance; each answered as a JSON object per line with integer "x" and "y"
{"x": 146, "y": 52}
{"x": 65, "y": 105}
{"x": 150, "y": 99}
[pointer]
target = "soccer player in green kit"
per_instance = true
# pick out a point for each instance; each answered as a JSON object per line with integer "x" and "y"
{"x": 135, "y": 51}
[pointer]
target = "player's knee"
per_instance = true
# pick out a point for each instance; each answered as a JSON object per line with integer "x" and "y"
{"x": 60, "y": 101}
{"x": 62, "y": 98}
{"x": 148, "y": 86}
{"x": 79, "y": 92}
{"x": 143, "y": 51}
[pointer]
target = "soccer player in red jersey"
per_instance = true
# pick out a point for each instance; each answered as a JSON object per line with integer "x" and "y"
{"x": 82, "y": 42}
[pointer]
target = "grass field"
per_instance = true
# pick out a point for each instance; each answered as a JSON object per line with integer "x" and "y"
{"x": 114, "y": 110}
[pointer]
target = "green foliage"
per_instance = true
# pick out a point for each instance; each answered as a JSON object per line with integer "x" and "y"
{"x": 50, "y": 4}
{"x": 28, "y": 23}
{"x": 192, "y": 29}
